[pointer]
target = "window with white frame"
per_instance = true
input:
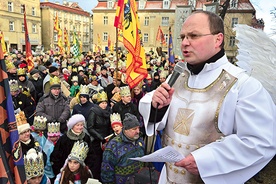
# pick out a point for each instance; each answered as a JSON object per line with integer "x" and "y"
{"x": 146, "y": 37}
{"x": 234, "y": 22}
{"x": 105, "y": 36}
{"x": 10, "y": 6}
{"x": 71, "y": 37}
{"x": 33, "y": 11}
{"x": 233, "y": 3}
{"x": 109, "y": 4}
{"x": 141, "y": 4}
{"x": 165, "y": 21}
{"x": 55, "y": 36}
{"x": 34, "y": 28}
{"x": 192, "y": 3}
{"x": 105, "y": 20}
{"x": 23, "y": 27}
{"x": 11, "y": 25}
{"x": 22, "y": 8}
{"x": 166, "y": 36}
{"x": 166, "y": 4}
{"x": 146, "y": 23}
{"x": 232, "y": 41}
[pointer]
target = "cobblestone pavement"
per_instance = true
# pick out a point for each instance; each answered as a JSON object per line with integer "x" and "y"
{"x": 268, "y": 174}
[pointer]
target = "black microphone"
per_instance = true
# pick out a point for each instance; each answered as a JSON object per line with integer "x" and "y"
{"x": 178, "y": 69}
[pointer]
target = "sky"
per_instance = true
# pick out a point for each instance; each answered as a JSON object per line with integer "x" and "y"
{"x": 262, "y": 7}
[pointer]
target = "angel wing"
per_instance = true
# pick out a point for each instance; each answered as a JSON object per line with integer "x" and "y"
{"x": 257, "y": 55}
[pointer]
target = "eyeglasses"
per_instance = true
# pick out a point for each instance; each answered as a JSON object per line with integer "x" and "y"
{"x": 192, "y": 36}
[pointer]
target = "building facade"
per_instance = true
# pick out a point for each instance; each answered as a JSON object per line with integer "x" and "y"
{"x": 12, "y": 23}
{"x": 169, "y": 13}
{"x": 71, "y": 17}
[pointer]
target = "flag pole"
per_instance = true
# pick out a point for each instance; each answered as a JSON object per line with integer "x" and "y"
{"x": 117, "y": 58}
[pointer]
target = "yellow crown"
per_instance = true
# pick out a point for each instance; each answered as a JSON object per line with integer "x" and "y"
{"x": 91, "y": 66}
{"x": 33, "y": 163}
{"x": 75, "y": 79}
{"x": 124, "y": 91}
{"x": 13, "y": 85}
{"x": 79, "y": 152}
{"x": 74, "y": 70}
{"x": 84, "y": 89}
{"x": 9, "y": 65}
{"x": 101, "y": 96}
{"x": 69, "y": 68}
{"x": 21, "y": 118}
{"x": 115, "y": 117}
{"x": 53, "y": 129}
{"x": 163, "y": 74}
{"x": 40, "y": 123}
{"x": 26, "y": 91}
{"x": 21, "y": 71}
{"x": 54, "y": 80}
{"x": 116, "y": 97}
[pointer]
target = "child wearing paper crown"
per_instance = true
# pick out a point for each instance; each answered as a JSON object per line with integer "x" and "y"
{"x": 75, "y": 171}
{"x": 75, "y": 86}
{"x": 38, "y": 128}
{"x": 53, "y": 136}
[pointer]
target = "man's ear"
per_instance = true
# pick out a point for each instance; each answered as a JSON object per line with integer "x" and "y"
{"x": 219, "y": 39}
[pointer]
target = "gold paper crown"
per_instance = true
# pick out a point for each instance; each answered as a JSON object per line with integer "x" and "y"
{"x": 69, "y": 68}
{"x": 124, "y": 91}
{"x": 40, "y": 123}
{"x": 75, "y": 79}
{"x": 53, "y": 129}
{"x": 75, "y": 70}
{"x": 91, "y": 67}
{"x": 115, "y": 117}
{"x": 9, "y": 65}
{"x": 54, "y": 80}
{"x": 21, "y": 71}
{"x": 101, "y": 96}
{"x": 34, "y": 165}
{"x": 117, "y": 75}
{"x": 79, "y": 152}
{"x": 26, "y": 91}
{"x": 21, "y": 118}
{"x": 84, "y": 89}
{"x": 13, "y": 85}
{"x": 163, "y": 74}
{"x": 116, "y": 97}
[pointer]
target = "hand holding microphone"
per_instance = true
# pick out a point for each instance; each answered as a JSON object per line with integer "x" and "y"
{"x": 162, "y": 95}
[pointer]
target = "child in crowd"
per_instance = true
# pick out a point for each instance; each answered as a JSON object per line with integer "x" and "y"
{"x": 53, "y": 136}
{"x": 75, "y": 170}
{"x": 38, "y": 128}
{"x": 75, "y": 86}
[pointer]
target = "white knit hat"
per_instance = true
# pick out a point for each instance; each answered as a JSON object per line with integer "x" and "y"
{"x": 76, "y": 118}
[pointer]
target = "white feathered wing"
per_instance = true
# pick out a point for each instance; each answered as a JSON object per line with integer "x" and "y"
{"x": 257, "y": 55}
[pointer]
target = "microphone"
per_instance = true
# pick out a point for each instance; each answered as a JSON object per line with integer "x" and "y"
{"x": 178, "y": 69}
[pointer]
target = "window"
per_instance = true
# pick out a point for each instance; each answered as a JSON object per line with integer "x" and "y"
{"x": 105, "y": 36}
{"x": 233, "y": 3}
{"x": 55, "y": 37}
{"x": 71, "y": 37}
{"x": 105, "y": 22}
{"x": 22, "y": 8}
{"x": 34, "y": 28}
{"x": 165, "y": 21}
{"x": 166, "y": 36}
{"x": 22, "y": 27}
{"x": 109, "y": 4}
{"x": 11, "y": 26}
{"x": 141, "y": 4}
{"x": 192, "y": 3}
{"x": 33, "y": 11}
{"x": 166, "y": 4}
{"x": 234, "y": 21}
{"x": 232, "y": 41}
{"x": 146, "y": 37}
{"x": 10, "y": 6}
{"x": 146, "y": 23}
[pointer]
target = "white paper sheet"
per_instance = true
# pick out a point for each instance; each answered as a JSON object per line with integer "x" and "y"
{"x": 166, "y": 154}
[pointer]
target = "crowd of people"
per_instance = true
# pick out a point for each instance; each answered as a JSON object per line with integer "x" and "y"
{"x": 77, "y": 118}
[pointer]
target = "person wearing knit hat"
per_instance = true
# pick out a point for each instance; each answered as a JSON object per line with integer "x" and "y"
{"x": 34, "y": 167}
{"x": 66, "y": 142}
{"x": 37, "y": 81}
{"x": 75, "y": 170}
{"x": 116, "y": 166}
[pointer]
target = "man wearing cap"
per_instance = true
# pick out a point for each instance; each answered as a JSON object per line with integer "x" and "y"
{"x": 116, "y": 165}
{"x": 54, "y": 105}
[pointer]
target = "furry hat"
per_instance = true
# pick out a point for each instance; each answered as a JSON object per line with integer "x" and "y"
{"x": 74, "y": 120}
{"x": 130, "y": 121}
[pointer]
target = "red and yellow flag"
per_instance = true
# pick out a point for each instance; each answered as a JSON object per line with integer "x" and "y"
{"x": 109, "y": 43}
{"x": 29, "y": 56}
{"x": 59, "y": 31}
{"x": 66, "y": 41}
{"x": 126, "y": 19}
{"x": 99, "y": 43}
{"x": 160, "y": 36}
{"x": 4, "y": 49}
